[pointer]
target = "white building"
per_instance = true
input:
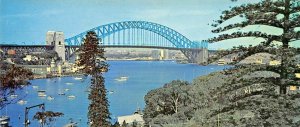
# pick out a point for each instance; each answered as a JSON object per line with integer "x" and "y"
{"x": 129, "y": 119}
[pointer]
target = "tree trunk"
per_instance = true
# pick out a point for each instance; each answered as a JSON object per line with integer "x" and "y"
{"x": 282, "y": 89}
{"x": 285, "y": 45}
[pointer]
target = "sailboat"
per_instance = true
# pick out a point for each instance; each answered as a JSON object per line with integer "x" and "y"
{"x": 60, "y": 92}
{"x": 4, "y": 120}
{"x": 122, "y": 79}
{"x": 42, "y": 93}
{"x": 13, "y": 96}
{"x": 77, "y": 78}
{"x": 22, "y": 102}
{"x": 50, "y": 98}
{"x": 71, "y": 97}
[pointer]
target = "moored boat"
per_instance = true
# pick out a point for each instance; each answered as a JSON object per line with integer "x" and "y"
{"x": 122, "y": 78}
{"x": 22, "y": 102}
{"x": 13, "y": 96}
{"x": 69, "y": 83}
{"x": 35, "y": 87}
{"x": 71, "y": 97}
{"x": 4, "y": 120}
{"x": 77, "y": 78}
{"x": 50, "y": 98}
{"x": 42, "y": 93}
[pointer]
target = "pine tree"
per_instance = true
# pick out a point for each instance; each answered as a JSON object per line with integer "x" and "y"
{"x": 124, "y": 124}
{"x": 117, "y": 124}
{"x": 92, "y": 60}
{"x": 247, "y": 92}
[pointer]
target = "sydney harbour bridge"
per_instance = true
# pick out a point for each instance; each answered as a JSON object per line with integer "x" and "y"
{"x": 128, "y": 34}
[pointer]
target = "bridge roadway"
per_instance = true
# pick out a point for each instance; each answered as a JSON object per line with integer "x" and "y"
{"x": 11, "y": 46}
{"x": 5, "y": 47}
{"x": 70, "y": 49}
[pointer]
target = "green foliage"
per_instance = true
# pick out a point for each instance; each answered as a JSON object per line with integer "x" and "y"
{"x": 169, "y": 100}
{"x": 13, "y": 79}
{"x": 245, "y": 95}
{"x": 124, "y": 124}
{"x": 47, "y": 55}
{"x": 134, "y": 124}
{"x": 47, "y": 117}
{"x": 258, "y": 100}
{"x": 267, "y": 15}
{"x": 117, "y": 124}
{"x": 92, "y": 60}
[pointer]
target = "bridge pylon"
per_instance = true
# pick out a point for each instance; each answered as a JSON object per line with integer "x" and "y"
{"x": 198, "y": 56}
{"x": 57, "y": 39}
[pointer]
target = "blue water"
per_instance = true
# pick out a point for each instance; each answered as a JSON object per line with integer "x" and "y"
{"x": 143, "y": 76}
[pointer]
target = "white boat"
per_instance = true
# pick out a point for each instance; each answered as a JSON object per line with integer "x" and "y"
{"x": 42, "y": 93}
{"x": 35, "y": 87}
{"x": 50, "y": 98}
{"x": 71, "y": 97}
{"x": 13, "y": 96}
{"x": 67, "y": 89}
{"x": 22, "y": 102}
{"x": 122, "y": 79}
{"x": 61, "y": 93}
{"x": 69, "y": 83}
{"x": 77, "y": 78}
{"x": 71, "y": 125}
{"x": 4, "y": 120}
{"x": 111, "y": 92}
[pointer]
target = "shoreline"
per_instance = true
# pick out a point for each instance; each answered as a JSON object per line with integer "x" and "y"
{"x": 54, "y": 76}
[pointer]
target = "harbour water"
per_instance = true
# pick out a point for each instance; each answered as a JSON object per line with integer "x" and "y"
{"x": 127, "y": 83}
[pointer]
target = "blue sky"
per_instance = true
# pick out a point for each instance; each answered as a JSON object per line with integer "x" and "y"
{"x": 29, "y": 20}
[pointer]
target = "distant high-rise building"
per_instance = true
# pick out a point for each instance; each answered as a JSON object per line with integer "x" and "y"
{"x": 57, "y": 39}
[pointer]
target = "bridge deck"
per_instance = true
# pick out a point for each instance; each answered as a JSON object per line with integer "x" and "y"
{"x": 104, "y": 46}
{"x": 130, "y": 46}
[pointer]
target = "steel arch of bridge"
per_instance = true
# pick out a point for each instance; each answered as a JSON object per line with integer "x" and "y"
{"x": 178, "y": 40}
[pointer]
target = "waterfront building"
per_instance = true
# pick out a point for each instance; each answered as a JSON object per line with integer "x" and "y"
{"x": 52, "y": 68}
{"x": 59, "y": 68}
{"x": 221, "y": 62}
{"x": 130, "y": 119}
{"x": 38, "y": 70}
{"x": 11, "y": 52}
{"x": 27, "y": 58}
{"x": 30, "y": 58}
{"x": 136, "y": 117}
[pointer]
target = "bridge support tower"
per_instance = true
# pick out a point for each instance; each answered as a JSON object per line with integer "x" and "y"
{"x": 57, "y": 39}
{"x": 199, "y": 56}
